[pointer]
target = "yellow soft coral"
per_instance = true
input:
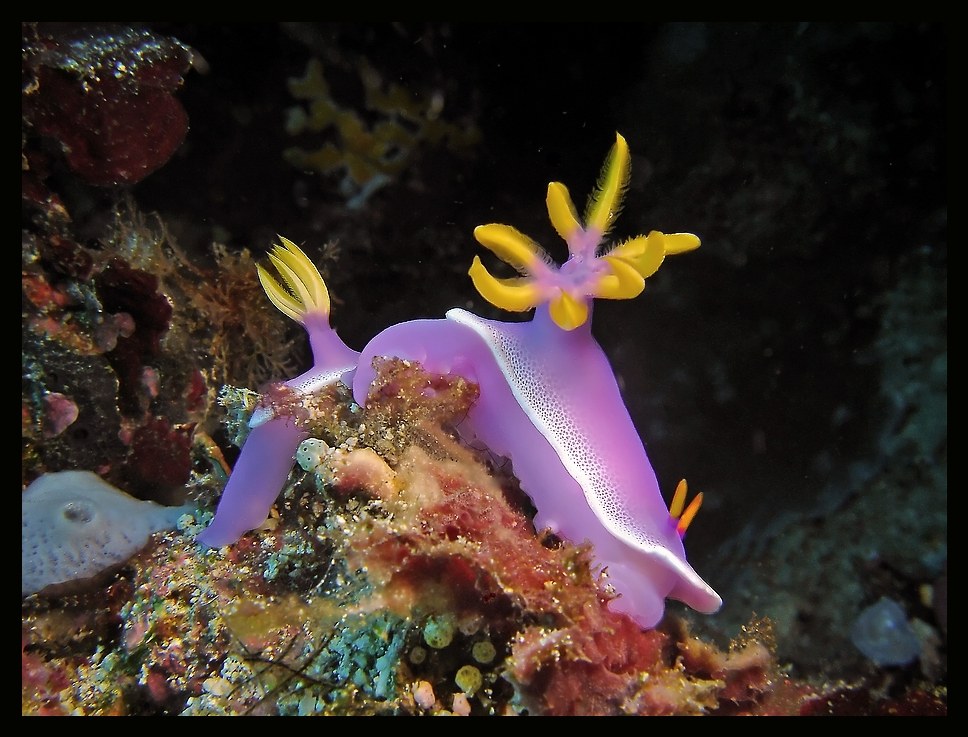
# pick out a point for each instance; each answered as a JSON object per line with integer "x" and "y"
{"x": 618, "y": 273}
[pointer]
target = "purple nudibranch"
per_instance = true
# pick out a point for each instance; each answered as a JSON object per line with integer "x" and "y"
{"x": 548, "y": 398}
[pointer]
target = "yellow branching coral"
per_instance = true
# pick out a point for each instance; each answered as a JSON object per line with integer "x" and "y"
{"x": 370, "y": 155}
{"x": 617, "y": 273}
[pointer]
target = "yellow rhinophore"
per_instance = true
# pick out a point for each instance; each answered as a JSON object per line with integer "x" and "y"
{"x": 302, "y": 289}
{"x": 684, "y": 518}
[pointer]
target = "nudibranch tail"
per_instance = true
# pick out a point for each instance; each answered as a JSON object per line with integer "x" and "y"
{"x": 302, "y": 290}
{"x": 616, "y": 273}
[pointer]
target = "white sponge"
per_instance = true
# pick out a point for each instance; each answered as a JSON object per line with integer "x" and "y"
{"x": 75, "y": 525}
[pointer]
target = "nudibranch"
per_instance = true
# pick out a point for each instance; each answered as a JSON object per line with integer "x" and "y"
{"x": 267, "y": 455}
{"x": 548, "y": 402}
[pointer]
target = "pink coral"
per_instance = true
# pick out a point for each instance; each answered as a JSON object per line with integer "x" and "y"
{"x": 453, "y": 539}
{"x": 60, "y": 412}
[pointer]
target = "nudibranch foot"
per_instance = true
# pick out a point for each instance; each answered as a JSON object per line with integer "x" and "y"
{"x": 258, "y": 477}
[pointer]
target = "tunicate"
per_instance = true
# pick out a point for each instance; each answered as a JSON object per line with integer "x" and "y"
{"x": 439, "y": 631}
{"x": 469, "y": 679}
{"x": 882, "y": 632}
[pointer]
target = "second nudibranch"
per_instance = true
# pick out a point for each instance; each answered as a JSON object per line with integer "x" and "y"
{"x": 548, "y": 399}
